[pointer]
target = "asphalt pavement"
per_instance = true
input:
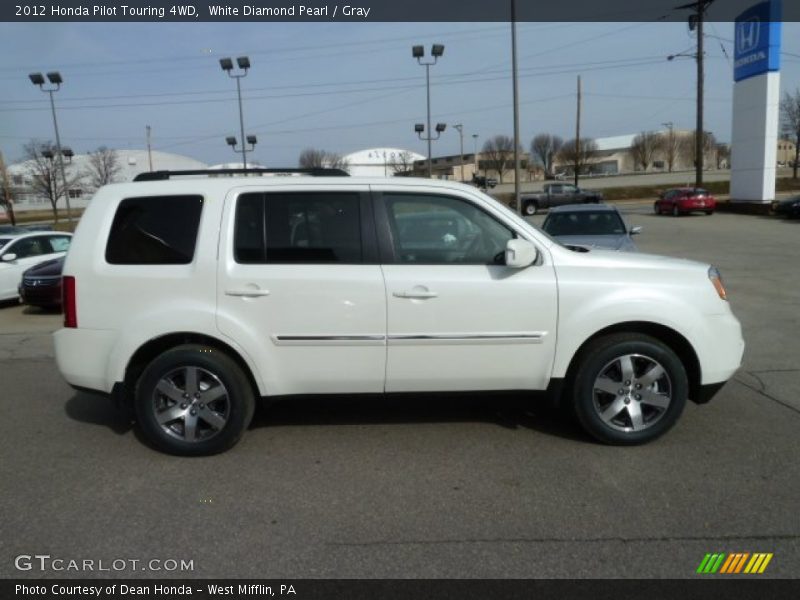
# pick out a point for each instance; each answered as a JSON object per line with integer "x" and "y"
{"x": 487, "y": 486}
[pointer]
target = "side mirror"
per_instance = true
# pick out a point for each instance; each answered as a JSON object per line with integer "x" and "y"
{"x": 636, "y": 230}
{"x": 9, "y": 257}
{"x": 520, "y": 254}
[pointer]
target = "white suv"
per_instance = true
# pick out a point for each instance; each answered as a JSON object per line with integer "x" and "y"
{"x": 191, "y": 297}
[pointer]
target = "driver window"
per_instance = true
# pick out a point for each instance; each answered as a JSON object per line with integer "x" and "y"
{"x": 443, "y": 230}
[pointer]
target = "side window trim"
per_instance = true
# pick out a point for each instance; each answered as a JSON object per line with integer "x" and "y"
{"x": 386, "y": 233}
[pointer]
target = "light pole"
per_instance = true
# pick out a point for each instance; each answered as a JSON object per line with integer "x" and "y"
{"x": 244, "y": 64}
{"x": 460, "y": 128}
{"x": 55, "y": 80}
{"x": 418, "y": 52}
{"x": 251, "y": 140}
{"x": 475, "y": 150}
{"x": 420, "y": 129}
{"x": 670, "y": 144}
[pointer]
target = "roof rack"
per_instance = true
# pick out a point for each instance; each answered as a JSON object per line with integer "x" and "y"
{"x": 313, "y": 172}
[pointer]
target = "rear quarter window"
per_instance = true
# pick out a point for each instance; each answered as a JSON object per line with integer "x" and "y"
{"x": 154, "y": 230}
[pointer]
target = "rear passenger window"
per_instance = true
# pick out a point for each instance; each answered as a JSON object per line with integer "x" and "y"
{"x": 306, "y": 227}
{"x": 154, "y": 230}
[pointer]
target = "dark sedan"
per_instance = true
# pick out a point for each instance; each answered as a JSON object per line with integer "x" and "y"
{"x": 41, "y": 284}
{"x": 789, "y": 208}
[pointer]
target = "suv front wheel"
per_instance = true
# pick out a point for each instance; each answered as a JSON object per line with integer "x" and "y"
{"x": 194, "y": 400}
{"x": 629, "y": 389}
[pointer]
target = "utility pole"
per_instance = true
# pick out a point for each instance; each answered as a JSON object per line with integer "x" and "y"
{"x": 460, "y": 128}
{"x": 696, "y": 22}
{"x": 7, "y": 193}
{"x": 699, "y": 135}
{"x": 149, "y": 152}
{"x": 516, "y": 104}
{"x": 578, "y": 134}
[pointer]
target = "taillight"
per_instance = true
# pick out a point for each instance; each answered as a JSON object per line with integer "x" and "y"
{"x": 68, "y": 298}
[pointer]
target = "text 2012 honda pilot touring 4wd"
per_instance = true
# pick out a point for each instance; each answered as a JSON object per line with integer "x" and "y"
{"x": 191, "y": 297}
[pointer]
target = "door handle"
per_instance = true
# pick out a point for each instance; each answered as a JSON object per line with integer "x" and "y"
{"x": 415, "y": 295}
{"x": 247, "y": 293}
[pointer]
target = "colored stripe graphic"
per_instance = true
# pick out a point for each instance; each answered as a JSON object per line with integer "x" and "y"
{"x": 734, "y": 563}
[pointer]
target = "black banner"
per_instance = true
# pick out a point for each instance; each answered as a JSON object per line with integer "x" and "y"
{"x": 305, "y": 589}
{"x": 375, "y": 10}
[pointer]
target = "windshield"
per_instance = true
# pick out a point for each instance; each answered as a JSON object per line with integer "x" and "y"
{"x": 4, "y": 241}
{"x": 584, "y": 223}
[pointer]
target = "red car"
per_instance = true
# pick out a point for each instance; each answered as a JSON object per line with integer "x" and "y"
{"x": 682, "y": 201}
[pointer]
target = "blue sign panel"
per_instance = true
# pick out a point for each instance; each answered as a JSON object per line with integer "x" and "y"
{"x": 757, "y": 40}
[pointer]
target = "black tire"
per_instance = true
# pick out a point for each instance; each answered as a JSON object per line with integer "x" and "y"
{"x": 217, "y": 426}
{"x": 656, "y": 208}
{"x": 709, "y": 212}
{"x": 530, "y": 208}
{"x": 597, "y": 366}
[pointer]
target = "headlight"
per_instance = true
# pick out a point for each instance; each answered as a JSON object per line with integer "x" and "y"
{"x": 716, "y": 281}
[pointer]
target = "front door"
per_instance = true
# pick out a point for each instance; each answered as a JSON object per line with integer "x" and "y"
{"x": 301, "y": 289}
{"x": 458, "y": 318}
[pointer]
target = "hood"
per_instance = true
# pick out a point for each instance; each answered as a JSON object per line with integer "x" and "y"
{"x": 621, "y": 242}
{"x": 48, "y": 268}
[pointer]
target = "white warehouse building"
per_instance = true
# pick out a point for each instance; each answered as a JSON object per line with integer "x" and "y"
{"x": 380, "y": 162}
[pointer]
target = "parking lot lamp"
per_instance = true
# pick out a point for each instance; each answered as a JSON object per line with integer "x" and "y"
{"x": 55, "y": 84}
{"x": 243, "y": 63}
{"x": 418, "y": 52}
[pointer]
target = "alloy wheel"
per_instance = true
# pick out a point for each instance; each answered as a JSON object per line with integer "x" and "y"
{"x": 191, "y": 404}
{"x": 632, "y": 393}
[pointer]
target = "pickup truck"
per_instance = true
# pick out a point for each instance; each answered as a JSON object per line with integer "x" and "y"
{"x": 557, "y": 194}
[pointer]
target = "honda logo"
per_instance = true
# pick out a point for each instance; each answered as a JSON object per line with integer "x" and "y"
{"x": 747, "y": 33}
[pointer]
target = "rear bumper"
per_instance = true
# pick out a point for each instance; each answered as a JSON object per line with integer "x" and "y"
{"x": 82, "y": 357}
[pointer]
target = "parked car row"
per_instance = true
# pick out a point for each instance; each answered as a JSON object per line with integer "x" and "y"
{"x": 30, "y": 266}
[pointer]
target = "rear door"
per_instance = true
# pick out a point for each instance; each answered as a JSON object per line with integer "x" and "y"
{"x": 458, "y": 318}
{"x": 300, "y": 287}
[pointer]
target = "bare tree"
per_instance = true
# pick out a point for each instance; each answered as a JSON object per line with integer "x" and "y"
{"x": 44, "y": 173}
{"x": 499, "y": 153}
{"x": 723, "y": 155}
{"x": 312, "y": 158}
{"x": 103, "y": 167}
{"x": 544, "y": 149}
{"x": 6, "y": 191}
{"x": 578, "y": 155}
{"x": 403, "y": 163}
{"x": 790, "y": 124}
{"x": 671, "y": 147}
{"x": 689, "y": 148}
{"x": 645, "y": 147}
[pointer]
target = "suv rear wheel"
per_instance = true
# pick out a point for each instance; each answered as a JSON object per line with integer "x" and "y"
{"x": 194, "y": 400}
{"x": 629, "y": 389}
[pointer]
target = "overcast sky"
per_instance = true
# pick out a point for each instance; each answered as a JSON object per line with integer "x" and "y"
{"x": 346, "y": 87}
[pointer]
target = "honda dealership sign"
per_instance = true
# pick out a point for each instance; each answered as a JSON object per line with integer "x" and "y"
{"x": 757, "y": 40}
{"x": 756, "y": 99}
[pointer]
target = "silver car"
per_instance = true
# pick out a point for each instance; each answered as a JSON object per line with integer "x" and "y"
{"x": 590, "y": 225}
